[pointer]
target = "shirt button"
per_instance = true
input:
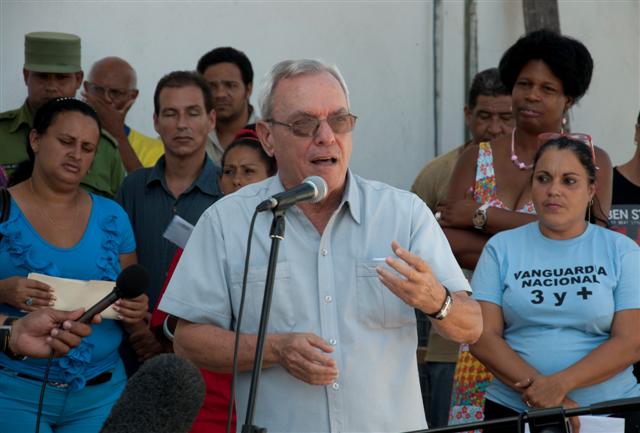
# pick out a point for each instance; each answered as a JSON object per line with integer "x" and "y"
{"x": 328, "y": 299}
{"x": 175, "y": 209}
{"x": 324, "y": 251}
{"x": 333, "y": 342}
{"x": 335, "y": 386}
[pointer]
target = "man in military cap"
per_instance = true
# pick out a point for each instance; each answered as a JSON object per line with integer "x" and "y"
{"x": 52, "y": 70}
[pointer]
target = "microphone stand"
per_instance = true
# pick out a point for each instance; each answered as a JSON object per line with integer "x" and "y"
{"x": 276, "y": 234}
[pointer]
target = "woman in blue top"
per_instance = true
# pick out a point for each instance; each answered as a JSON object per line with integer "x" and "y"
{"x": 560, "y": 298}
{"x": 55, "y": 228}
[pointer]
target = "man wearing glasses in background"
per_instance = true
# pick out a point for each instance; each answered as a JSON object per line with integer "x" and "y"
{"x": 52, "y": 70}
{"x": 340, "y": 353}
{"x": 111, "y": 90}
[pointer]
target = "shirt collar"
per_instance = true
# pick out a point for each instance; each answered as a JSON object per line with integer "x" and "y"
{"x": 350, "y": 197}
{"x": 24, "y": 117}
{"x": 207, "y": 180}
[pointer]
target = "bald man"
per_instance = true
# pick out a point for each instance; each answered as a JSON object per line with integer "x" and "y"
{"x": 111, "y": 90}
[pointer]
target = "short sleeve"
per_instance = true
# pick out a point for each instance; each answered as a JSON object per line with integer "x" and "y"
{"x": 487, "y": 277}
{"x": 198, "y": 291}
{"x": 627, "y": 293}
{"x": 429, "y": 242}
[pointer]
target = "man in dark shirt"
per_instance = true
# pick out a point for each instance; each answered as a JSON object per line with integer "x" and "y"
{"x": 183, "y": 183}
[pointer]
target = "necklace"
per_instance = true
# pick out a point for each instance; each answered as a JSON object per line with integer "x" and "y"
{"x": 46, "y": 215}
{"x": 514, "y": 158}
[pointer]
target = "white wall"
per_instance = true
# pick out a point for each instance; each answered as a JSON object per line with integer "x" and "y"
{"x": 383, "y": 48}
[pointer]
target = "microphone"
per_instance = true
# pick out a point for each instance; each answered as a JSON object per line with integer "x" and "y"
{"x": 132, "y": 282}
{"x": 164, "y": 396}
{"x": 313, "y": 189}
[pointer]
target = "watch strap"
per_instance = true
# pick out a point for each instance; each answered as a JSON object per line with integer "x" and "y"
{"x": 5, "y": 337}
{"x": 445, "y": 308}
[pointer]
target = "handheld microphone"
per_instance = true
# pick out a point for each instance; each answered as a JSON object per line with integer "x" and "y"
{"x": 164, "y": 396}
{"x": 313, "y": 189}
{"x": 132, "y": 282}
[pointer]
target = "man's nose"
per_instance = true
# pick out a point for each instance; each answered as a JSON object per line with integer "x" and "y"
{"x": 324, "y": 134}
{"x": 496, "y": 126}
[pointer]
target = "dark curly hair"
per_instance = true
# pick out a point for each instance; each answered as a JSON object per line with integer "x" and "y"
{"x": 568, "y": 59}
{"x": 227, "y": 55}
{"x": 583, "y": 153}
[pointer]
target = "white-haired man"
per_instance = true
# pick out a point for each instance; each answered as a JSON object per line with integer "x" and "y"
{"x": 340, "y": 349}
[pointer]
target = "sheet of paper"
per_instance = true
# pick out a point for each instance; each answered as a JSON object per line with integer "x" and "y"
{"x": 178, "y": 231}
{"x": 598, "y": 424}
{"x": 74, "y": 294}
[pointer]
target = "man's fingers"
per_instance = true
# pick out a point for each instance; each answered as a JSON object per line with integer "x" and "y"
{"x": 319, "y": 343}
{"x": 77, "y": 328}
{"x": 68, "y": 338}
{"x": 312, "y": 372}
{"x": 74, "y": 315}
{"x": 127, "y": 106}
{"x": 411, "y": 259}
{"x": 59, "y": 348}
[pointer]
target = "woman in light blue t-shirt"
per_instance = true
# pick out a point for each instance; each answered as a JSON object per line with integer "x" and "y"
{"x": 560, "y": 297}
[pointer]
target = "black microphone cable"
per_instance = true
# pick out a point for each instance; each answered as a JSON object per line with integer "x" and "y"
{"x": 42, "y": 389}
{"x": 234, "y": 369}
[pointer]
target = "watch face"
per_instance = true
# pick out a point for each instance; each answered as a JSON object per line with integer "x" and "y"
{"x": 479, "y": 218}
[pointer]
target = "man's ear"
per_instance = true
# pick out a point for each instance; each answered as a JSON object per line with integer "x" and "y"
{"x": 468, "y": 113}
{"x": 266, "y": 137}
{"x": 25, "y": 76}
{"x": 212, "y": 119}
{"x": 249, "y": 90}
{"x": 155, "y": 123}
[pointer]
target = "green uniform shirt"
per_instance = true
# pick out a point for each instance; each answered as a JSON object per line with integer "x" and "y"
{"x": 104, "y": 176}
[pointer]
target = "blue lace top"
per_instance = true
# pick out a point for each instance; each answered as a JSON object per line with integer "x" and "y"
{"x": 94, "y": 257}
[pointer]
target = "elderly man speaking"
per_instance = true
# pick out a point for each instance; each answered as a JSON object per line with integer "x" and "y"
{"x": 340, "y": 349}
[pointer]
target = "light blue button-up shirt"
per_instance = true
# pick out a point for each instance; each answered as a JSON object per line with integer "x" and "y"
{"x": 326, "y": 284}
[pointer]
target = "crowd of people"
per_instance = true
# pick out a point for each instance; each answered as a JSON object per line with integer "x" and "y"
{"x": 508, "y": 247}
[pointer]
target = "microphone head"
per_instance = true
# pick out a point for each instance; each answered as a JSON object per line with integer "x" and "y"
{"x": 320, "y": 186}
{"x": 132, "y": 282}
{"x": 164, "y": 396}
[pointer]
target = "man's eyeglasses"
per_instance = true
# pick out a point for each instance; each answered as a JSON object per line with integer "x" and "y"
{"x": 583, "y": 138}
{"x": 114, "y": 94}
{"x": 308, "y": 126}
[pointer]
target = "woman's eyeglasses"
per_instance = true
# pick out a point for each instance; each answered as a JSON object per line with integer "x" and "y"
{"x": 583, "y": 138}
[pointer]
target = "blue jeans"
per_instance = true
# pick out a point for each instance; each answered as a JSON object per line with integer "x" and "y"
{"x": 64, "y": 411}
{"x": 440, "y": 377}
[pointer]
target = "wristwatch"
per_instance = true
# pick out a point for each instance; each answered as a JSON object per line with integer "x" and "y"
{"x": 445, "y": 309}
{"x": 5, "y": 337}
{"x": 479, "y": 219}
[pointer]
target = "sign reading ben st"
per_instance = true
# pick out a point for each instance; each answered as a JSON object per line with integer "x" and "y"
{"x": 625, "y": 219}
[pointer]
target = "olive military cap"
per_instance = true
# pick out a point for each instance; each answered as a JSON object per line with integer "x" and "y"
{"x": 52, "y": 52}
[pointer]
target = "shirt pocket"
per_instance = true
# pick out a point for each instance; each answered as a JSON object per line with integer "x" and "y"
{"x": 379, "y": 307}
{"x": 281, "y": 316}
